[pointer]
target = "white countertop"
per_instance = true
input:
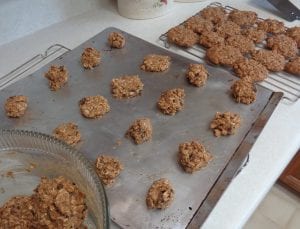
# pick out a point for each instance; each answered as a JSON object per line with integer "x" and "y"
{"x": 276, "y": 145}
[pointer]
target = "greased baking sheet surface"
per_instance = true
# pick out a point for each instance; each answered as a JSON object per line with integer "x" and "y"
{"x": 152, "y": 160}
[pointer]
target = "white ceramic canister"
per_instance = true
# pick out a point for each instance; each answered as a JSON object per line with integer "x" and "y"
{"x": 144, "y": 9}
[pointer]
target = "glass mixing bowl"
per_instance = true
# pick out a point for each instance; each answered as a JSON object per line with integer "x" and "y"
{"x": 26, "y": 156}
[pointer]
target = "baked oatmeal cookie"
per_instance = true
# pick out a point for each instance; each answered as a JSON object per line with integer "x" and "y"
{"x": 224, "y": 54}
{"x": 67, "y": 132}
{"x": 197, "y": 74}
{"x": 244, "y": 44}
{"x": 271, "y": 26}
{"x": 251, "y": 69}
{"x": 18, "y": 212}
{"x": 140, "y": 130}
{"x": 227, "y": 29}
{"x": 182, "y": 36}
{"x": 214, "y": 14}
{"x": 243, "y": 91}
{"x": 90, "y": 58}
{"x": 15, "y": 106}
{"x": 59, "y": 204}
{"x": 294, "y": 33}
{"x": 255, "y": 34}
{"x": 283, "y": 44}
{"x": 116, "y": 40}
{"x": 126, "y": 86}
{"x": 171, "y": 101}
{"x": 271, "y": 60}
{"x": 293, "y": 66}
{"x": 198, "y": 24}
{"x": 156, "y": 63}
{"x": 225, "y": 123}
{"x": 94, "y": 106}
{"x": 193, "y": 156}
{"x": 210, "y": 39}
{"x": 243, "y": 18}
{"x": 108, "y": 168}
{"x": 57, "y": 77}
{"x": 160, "y": 195}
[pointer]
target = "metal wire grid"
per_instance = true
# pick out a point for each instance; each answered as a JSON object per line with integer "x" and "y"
{"x": 280, "y": 81}
{"x": 31, "y": 64}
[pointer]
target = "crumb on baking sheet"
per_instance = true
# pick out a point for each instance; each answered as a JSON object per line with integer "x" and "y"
{"x": 90, "y": 58}
{"x": 140, "y": 130}
{"x": 156, "y": 63}
{"x": 67, "y": 132}
{"x": 126, "y": 86}
{"x": 160, "y": 194}
{"x": 225, "y": 123}
{"x": 15, "y": 106}
{"x": 108, "y": 168}
{"x": 197, "y": 74}
{"x": 57, "y": 77}
{"x": 171, "y": 101}
{"x": 116, "y": 40}
{"x": 193, "y": 156}
{"x": 94, "y": 106}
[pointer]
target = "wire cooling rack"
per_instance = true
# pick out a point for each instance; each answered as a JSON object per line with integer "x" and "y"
{"x": 280, "y": 81}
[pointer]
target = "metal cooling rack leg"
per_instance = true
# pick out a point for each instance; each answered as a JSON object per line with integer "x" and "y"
{"x": 29, "y": 64}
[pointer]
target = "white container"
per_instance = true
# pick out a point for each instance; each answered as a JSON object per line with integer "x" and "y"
{"x": 144, "y": 9}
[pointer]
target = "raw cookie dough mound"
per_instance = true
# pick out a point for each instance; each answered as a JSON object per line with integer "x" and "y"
{"x": 225, "y": 55}
{"x": 156, "y": 63}
{"x": 57, "y": 77}
{"x": 294, "y": 33}
{"x": 293, "y": 66}
{"x": 227, "y": 29}
{"x": 198, "y": 24}
{"x": 271, "y": 26}
{"x": 214, "y": 14}
{"x": 193, "y": 156}
{"x": 15, "y": 106}
{"x": 210, "y": 39}
{"x": 255, "y": 34}
{"x": 271, "y": 60}
{"x": 108, "y": 168}
{"x": 182, "y": 36}
{"x": 251, "y": 69}
{"x": 94, "y": 106}
{"x": 59, "y": 204}
{"x": 283, "y": 44}
{"x": 171, "y": 101}
{"x": 160, "y": 195}
{"x": 243, "y": 18}
{"x": 67, "y": 132}
{"x": 197, "y": 74}
{"x": 116, "y": 40}
{"x": 126, "y": 87}
{"x": 225, "y": 123}
{"x": 140, "y": 130}
{"x": 241, "y": 42}
{"x": 90, "y": 58}
{"x": 18, "y": 212}
{"x": 243, "y": 91}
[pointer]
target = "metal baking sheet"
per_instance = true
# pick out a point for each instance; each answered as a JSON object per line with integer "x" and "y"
{"x": 152, "y": 160}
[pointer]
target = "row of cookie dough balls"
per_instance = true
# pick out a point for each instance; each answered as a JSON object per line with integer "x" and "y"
{"x": 230, "y": 37}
